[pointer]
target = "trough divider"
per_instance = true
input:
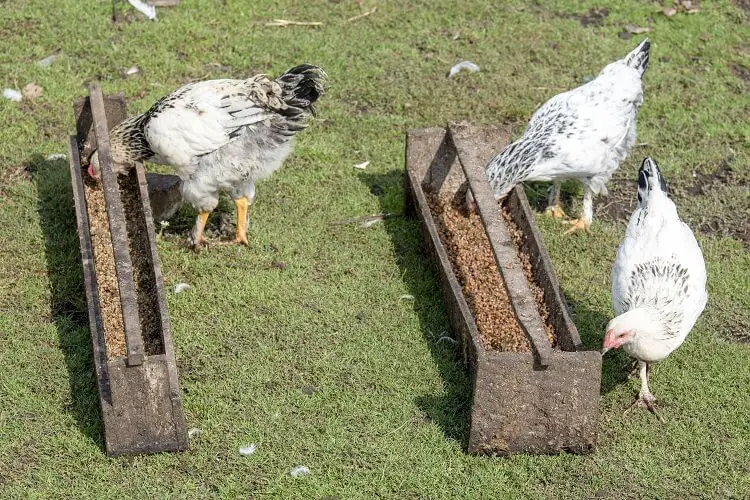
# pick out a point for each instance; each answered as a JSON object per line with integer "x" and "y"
{"x": 116, "y": 216}
{"x": 503, "y": 248}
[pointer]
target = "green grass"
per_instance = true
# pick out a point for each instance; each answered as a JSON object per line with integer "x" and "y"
{"x": 388, "y": 417}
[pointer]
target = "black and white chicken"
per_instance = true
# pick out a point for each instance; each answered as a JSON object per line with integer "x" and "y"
{"x": 658, "y": 281}
{"x": 581, "y": 134}
{"x": 220, "y": 135}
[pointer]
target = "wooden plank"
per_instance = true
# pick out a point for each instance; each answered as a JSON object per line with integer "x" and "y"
{"x": 148, "y": 421}
{"x": 123, "y": 264}
{"x": 89, "y": 274}
{"x": 503, "y": 247}
{"x": 178, "y": 415}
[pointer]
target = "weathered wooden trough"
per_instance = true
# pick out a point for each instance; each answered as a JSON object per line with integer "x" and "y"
{"x": 130, "y": 331}
{"x": 542, "y": 401}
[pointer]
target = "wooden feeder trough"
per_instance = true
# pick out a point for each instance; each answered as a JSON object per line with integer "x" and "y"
{"x": 543, "y": 400}
{"x": 130, "y": 332}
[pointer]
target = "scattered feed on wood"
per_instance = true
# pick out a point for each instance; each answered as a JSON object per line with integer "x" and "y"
{"x": 106, "y": 277}
{"x": 475, "y": 267}
{"x": 528, "y": 271}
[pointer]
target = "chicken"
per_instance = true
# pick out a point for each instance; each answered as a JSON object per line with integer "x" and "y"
{"x": 220, "y": 135}
{"x": 581, "y": 134}
{"x": 658, "y": 281}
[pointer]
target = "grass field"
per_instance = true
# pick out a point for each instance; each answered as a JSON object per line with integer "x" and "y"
{"x": 320, "y": 364}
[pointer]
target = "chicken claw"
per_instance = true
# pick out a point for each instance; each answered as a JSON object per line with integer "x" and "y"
{"x": 555, "y": 211}
{"x": 647, "y": 401}
{"x": 577, "y": 224}
{"x": 197, "y": 240}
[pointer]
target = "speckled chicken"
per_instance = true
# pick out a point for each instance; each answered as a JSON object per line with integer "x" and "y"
{"x": 658, "y": 281}
{"x": 220, "y": 135}
{"x": 580, "y": 134}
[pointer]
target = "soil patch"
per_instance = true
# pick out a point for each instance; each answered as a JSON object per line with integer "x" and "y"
{"x": 595, "y": 16}
{"x": 742, "y": 4}
{"x": 712, "y": 202}
{"x": 742, "y": 72}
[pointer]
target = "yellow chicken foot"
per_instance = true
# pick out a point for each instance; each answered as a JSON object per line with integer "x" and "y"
{"x": 554, "y": 207}
{"x": 241, "y": 205}
{"x": 196, "y": 238}
{"x": 577, "y": 224}
{"x": 555, "y": 211}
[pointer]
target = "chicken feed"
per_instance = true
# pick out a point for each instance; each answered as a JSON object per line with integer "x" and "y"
{"x": 106, "y": 274}
{"x": 473, "y": 262}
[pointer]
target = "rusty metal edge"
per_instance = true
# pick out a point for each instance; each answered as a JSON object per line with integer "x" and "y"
{"x": 166, "y": 326}
{"x": 115, "y": 214}
{"x": 505, "y": 253}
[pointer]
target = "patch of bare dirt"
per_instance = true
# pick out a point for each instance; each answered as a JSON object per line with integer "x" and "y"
{"x": 742, "y": 72}
{"x": 621, "y": 200}
{"x": 742, "y": 4}
{"x": 595, "y": 16}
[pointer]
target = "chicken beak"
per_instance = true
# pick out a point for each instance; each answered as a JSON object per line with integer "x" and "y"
{"x": 604, "y": 350}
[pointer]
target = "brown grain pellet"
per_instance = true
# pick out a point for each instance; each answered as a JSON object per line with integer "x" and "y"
{"x": 106, "y": 276}
{"x": 474, "y": 265}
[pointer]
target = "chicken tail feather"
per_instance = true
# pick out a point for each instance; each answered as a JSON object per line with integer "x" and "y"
{"x": 649, "y": 179}
{"x": 302, "y": 86}
{"x": 638, "y": 58}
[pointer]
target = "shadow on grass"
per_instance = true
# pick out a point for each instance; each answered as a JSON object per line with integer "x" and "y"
{"x": 450, "y": 410}
{"x": 69, "y": 309}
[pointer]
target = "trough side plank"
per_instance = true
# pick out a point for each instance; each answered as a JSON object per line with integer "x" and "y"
{"x": 422, "y": 148}
{"x": 503, "y": 247}
{"x": 178, "y": 415}
{"x": 123, "y": 264}
{"x": 89, "y": 274}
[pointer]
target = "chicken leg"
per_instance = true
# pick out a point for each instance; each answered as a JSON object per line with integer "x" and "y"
{"x": 645, "y": 398}
{"x": 196, "y": 238}
{"x": 554, "y": 208}
{"x": 583, "y": 222}
{"x": 241, "y": 205}
{"x": 242, "y": 200}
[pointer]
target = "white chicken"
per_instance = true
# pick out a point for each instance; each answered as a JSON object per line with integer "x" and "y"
{"x": 581, "y": 134}
{"x": 220, "y": 135}
{"x": 658, "y": 281}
